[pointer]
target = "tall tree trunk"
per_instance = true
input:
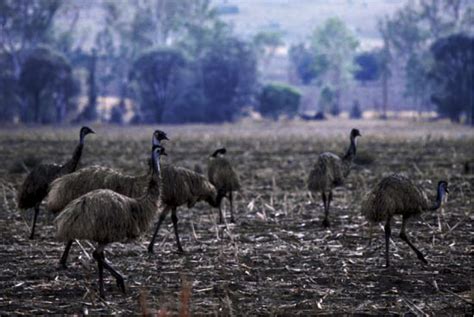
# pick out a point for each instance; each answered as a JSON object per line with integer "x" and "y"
{"x": 90, "y": 113}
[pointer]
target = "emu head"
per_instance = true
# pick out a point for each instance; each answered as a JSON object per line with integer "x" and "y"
{"x": 355, "y": 133}
{"x": 218, "y": 152}
{"x": 158, "y": 136}
{"x": 85, "y": 131}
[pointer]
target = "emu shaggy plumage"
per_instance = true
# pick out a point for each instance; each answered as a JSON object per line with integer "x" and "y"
{"x": 105, "y": 216}
{"x": 180, "y": 186}
{"x": 330, "y": 171}
{"x": 398, "y": 195}
{"x": 224, "y": 178}
{"x": 35, "y": 187}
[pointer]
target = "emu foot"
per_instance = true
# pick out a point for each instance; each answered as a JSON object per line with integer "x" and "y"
{"x": 181, "y": 251}
{"x": 62, "y": 266}
{"x": 32, "y": 236}
{"x": 121, "y": 285}
{"x": 150, "y": 249}
{"x": 422, "y": 258}
{"x": 326, "y": 223}
{"x": 232, "y": 220}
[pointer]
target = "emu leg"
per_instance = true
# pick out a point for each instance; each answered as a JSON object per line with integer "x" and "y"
{"x": 388, "y": 232}
{"x": 32, "y": 235}
{"x": 174, "y": 218}
{"x": 157, "y": 227}
{"x": 100, "y": 265}
{"x": 63, "y": 260}
{"x": 231, "y": 208}
{"x": 221, "y": 217}
{"x": 404, "y": 237}
{"x": 326, "y": 210}
{"x": 115, "y": 273}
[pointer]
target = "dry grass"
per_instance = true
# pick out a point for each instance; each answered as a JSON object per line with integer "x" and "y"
{"x": 277, "y": 259}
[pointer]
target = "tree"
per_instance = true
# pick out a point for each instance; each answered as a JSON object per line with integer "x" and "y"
{"x": 157, "y": 74}
{"x": 47, "y": 80}
{"x": 278, "y": 99}
{"x": 367, "y": 66}
{"x": 9, "y": 96}
{"x": 333, "y": 46}
{"x": 24, "y": 24}
{"x": 412, "y": 30}
{"x": 229, "y": 77}
{"x": 266, "y": 44}
{"x": 453, "y": 75}
{"x": 90, "y": 113}
{"x": 326, "y": 99}
{"x": 303, "y": 62}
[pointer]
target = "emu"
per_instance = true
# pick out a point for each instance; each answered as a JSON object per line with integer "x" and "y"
{"x": 330, "y": 171}
{"x": 35, "y": 187}
{"x": 223, "y": 177}
{"x": 397, "y": 195}
{"x": 179, "y": 186}
{"x": 105, "y": 216}
{"x": 182, "y": 186}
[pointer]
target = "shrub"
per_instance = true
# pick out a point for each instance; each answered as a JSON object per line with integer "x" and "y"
{"x": 278, "y": 99}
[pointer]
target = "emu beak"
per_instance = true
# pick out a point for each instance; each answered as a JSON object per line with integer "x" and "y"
{"x": 92, "y": 131}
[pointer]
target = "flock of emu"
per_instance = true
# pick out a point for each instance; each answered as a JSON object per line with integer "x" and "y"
{"x": 103, "y": 205}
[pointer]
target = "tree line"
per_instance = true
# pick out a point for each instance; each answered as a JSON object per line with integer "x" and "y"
{"x": 178, "y": 62}
{"x": 430, "y": 40}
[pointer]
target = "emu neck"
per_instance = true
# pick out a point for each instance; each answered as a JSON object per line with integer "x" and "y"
{"x": 153, "y": 191}
{"x": 439, "y": 200}
{"x": 71, "y": 165}
{"x": 351, "y": 151}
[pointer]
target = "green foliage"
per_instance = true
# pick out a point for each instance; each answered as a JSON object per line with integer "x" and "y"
{"x": 452, "y": 76}
{"x": 333, "y": 46}
{"x": 26, "y": 23}
{"x": 414, "y": 27}
{"x": 304, "y": 63}
{"x": 47, "y": 80}
{"x": 9, "y": 96}
{"x": 279, "y": 99}
{"x": 157, "y": 74}
{"x": 326, "y": 98}
{"x": 229, "y": 72}
{"x": 368, "y": 66}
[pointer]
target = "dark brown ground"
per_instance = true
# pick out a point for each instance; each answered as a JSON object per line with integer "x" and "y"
{"x": 277, "y": 259}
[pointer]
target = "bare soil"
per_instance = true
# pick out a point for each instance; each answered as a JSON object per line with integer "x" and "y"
{"x": 276, "y": 259}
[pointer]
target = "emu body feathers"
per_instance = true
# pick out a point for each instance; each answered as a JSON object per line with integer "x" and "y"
{"x": 330, "y": 171}
{"x": 397, "y": 195}
{"x": 223, "y": 177}
{"x": 394, "y": 195}
{"x": 35, "y": 187}
{"x": 180, "y": 186}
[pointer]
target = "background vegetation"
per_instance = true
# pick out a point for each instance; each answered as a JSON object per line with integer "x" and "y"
{"x": 182, "y": 61}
